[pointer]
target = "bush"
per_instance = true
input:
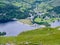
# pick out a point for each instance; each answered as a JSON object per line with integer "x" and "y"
{"x": 2, "y": 33}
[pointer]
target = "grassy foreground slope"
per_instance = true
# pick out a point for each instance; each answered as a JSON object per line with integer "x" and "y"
{"x": 41, "y": 36}
{"x": 44, "y": 36}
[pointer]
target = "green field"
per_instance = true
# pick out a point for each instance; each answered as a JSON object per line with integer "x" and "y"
{"x": 41, "y": 36}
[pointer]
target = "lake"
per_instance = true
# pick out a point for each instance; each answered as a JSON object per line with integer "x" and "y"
{"x": 14, "y": 28}
{"x": 55, "y": 24}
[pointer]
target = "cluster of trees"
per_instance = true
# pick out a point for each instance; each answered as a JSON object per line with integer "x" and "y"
{"x": 2, "y": 33}
{"x": 9, "y": 11}
{"x": 56, "y": 9}
{"x": 22, "y": 9}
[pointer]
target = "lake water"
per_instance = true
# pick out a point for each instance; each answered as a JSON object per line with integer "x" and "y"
{"x": 55, "y": 24}
{"x": 14, "y": 28}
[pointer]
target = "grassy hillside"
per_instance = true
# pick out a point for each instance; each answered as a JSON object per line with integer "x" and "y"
{"x": 42, "y": 36}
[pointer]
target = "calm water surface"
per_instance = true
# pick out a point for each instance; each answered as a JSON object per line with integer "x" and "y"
{"x": 15, "y": 27}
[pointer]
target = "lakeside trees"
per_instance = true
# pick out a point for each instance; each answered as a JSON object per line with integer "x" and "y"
{"x": 9, "y": 11}
{"x": 22, "y": 9}
{"x": 2, "y": 33}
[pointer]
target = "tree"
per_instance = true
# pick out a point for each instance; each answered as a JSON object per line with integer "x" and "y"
{"x": 2, "y": 33}
{"x": 56, "y": 9}
{"x": 9, "y": 11}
